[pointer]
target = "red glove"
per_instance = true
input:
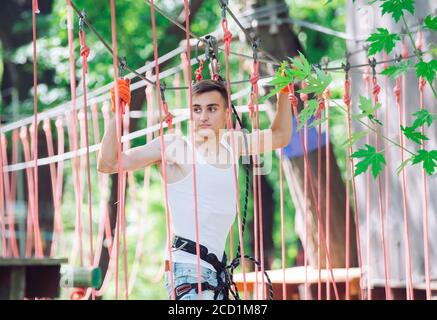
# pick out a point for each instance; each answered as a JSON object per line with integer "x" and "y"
{"x": 123, "y": 94}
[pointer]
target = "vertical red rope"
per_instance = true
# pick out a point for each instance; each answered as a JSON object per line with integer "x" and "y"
{"x": 9, "y": 186}
{"x": 366, "y": 78}
{"x": 49, "y": 139}
{"x": 60, "y": 177}
{"x": 281, "y": 192}
{"x": 121, "y": 192}
{"x": 375, "y": 92}
{"x": 422, "y": 84}
{"x": 30, "y": 191}
{"x": 193, "y": 143}
{"x": 227, "y": 37}
{"x": 163, "y": 158}
{"x": 74, "y": 139}
{"x": 293, "y": 99}
{"x": 401, "y": 102}
{"x": 350, "y": 168}
{"x": 84, "y": 52}
{"x": 387, "y": 167}
{"x": 255, "y": 196}
{"x": 328, "y": 182}
{"x": 319, "y": 204}
{"x": 38, "y": 244}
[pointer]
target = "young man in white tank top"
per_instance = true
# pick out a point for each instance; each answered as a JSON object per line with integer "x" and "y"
{"x": 215, "y": 155}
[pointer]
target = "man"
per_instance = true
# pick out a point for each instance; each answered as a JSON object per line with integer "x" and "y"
{"x": 216, "y": 151}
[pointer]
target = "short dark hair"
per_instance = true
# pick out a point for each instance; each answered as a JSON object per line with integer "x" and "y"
{"x": 207, "y": 85}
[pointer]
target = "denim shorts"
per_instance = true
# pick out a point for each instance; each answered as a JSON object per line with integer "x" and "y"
{"x": 187, "y": 273}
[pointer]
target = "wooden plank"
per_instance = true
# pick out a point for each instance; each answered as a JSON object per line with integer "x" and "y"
{"x": 296, "y": 275}
{"x": 32, "y": 261}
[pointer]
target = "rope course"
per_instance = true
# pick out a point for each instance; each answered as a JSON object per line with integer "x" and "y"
{"x": 82, "y": 113}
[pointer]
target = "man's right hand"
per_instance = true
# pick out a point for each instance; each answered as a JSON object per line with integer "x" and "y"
{"x": 123, "y": 94}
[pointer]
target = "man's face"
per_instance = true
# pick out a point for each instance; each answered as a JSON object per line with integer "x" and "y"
{"x": 209, "y": 113}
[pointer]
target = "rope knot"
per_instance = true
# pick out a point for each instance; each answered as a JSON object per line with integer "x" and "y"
{"x": 84, "y": 51}
{"x": 422, "y": 83}
{"x": 321, "y": 105}
{"x": 397, "y": 91}
{"x": 347, "y": 92}
{"x": 199, "y": 71}
{"x": 376, "y": 89}
{"x": 168, "y": 118}
{"x": 227, "y": 36}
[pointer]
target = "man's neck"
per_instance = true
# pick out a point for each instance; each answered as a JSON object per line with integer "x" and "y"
{"x": 211, "y": 143}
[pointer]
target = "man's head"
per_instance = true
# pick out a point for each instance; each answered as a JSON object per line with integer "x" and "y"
{"x": 210, "y": 107}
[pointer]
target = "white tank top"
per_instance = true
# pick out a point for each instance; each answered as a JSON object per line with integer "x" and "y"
{"x": 216, "y": 203}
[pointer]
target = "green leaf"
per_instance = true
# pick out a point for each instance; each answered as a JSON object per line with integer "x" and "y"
{"x": 428, "y": 158}
{"x": 396, "y": 8}
{"x": 307, "y": 113}
{"x": 403, "y": 165}
{"x": 355, "y": 136}
{"x": 430, "y": 23}
{"x": 413, "y": 135}
{"x": 398, "y": 69}
{"x": 317, "y": 83}
{"x": 427, "y": 70}
{"x": 382, "y": 40}
{"x": 367, "y": 107}
{"x": 423, "y": 116}
{"x": 371, "y": 158}
{"x": 301, "y": 67}
{"x": 368, "y": 110}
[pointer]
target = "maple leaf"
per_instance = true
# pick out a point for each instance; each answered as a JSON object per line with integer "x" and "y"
{"x": 423, "y": 116}
{"x": 381, "y": 40}
{"x": 428, "y": 158}
{"x": 397, "y": 7}
{"x": 413, "y": 135}
{"x": 371, "y": 158}
{"x": 430, "y": 23}
{"x": 398, "y": 69}
{"x": 427, "y": 70}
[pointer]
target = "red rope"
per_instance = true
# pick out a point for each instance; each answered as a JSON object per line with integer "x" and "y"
{"x": 10, "y": 198}
{"x": 422, "y": 84}
{"x": 73, "y": 136}
{"x": 281, "y": 194}
{"x": 49, "y": 139}
{"x": 163, "y": 158}
{"x": 60, "y": 172}
{"x": 387, "y": 158}
{"x": 30, "y": 192}
{"x": 84, "y": 52}
{"x": 367, "y": 81}
{"x": 328, "y": 183}
{"x": 305, "y": 153}
{"x": 121, "y": 175}
{"x": 347, "y": 101}
{"x": 375, "y": 92}
{"x": 38, "y": 243}
{"x": 254, "y": 187}
{"x": 227, "y": 37}
{"x": 407, "y": 248}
